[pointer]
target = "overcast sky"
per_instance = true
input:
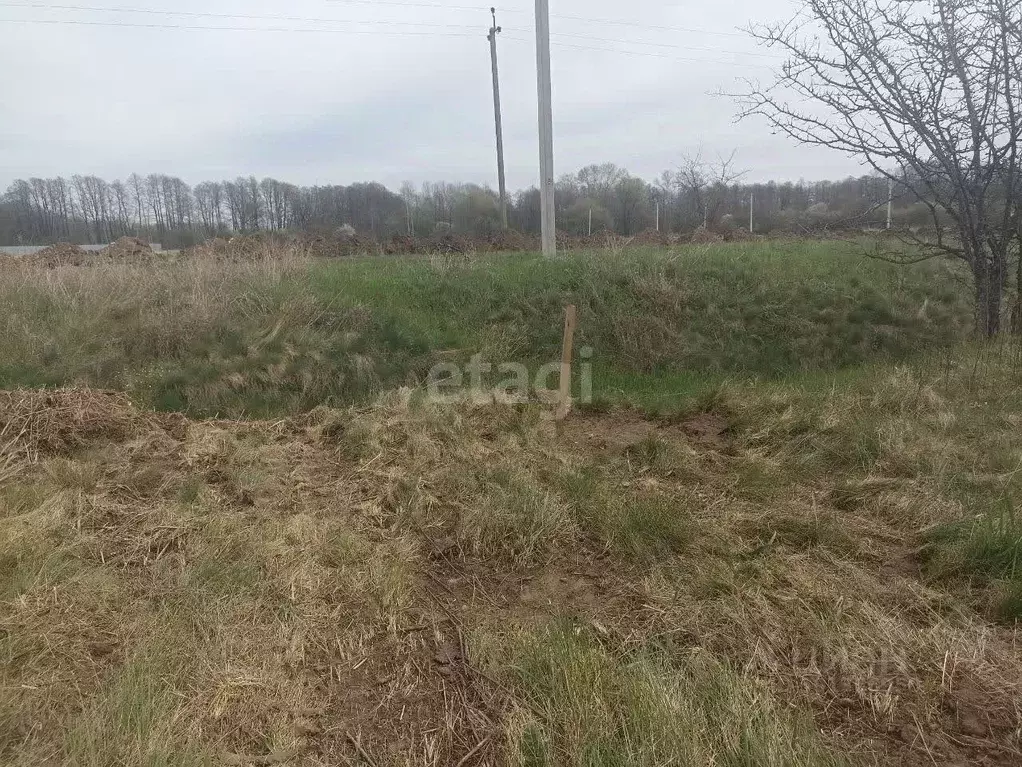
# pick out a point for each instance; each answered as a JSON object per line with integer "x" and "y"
{"x": 389, "y": 91}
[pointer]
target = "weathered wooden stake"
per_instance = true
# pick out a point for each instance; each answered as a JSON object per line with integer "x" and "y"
{"x": 567, "y": 351}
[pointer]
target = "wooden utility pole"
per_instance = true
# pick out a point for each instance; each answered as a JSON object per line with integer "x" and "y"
{"x": 492, "y": 37}
{"x": 546, "y": 128}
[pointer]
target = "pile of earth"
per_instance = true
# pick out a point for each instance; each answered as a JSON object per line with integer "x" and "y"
{"x": 704, "y": 236}
{"x": 652, "y": 237}
{"x": 127, "y": 249}
{"x": 61, "y": 254}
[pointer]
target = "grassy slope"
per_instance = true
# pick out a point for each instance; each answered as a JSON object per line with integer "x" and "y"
{"x": 268, "y": 340}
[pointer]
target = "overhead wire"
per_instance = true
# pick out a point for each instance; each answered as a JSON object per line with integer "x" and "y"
{"x": 370, "y": 22}
{"x": 433, "y": 6}
{"x": 242, "y": 16}
{"x": 658, "y": 27}
{"x": 653, "y": 54}
{"x": 384, "y": 3}
{"x": 659, "y": 45}
{"x": 197, "y": 27}
{"x": 566, "y": 17}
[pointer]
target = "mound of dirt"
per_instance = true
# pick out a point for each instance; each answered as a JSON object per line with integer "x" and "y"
{"x": 511, "y": 241}
{"x": 400, "y": 245}
{"x": 703, "y": 236}
{"x": 61, "y": 254}
{"x": 652, "y": 237}
{"x": 127, "y": 249}
{"x": 449, "y": 243}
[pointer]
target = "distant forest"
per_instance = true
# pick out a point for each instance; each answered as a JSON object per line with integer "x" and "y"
{"x": 607, "y": 198}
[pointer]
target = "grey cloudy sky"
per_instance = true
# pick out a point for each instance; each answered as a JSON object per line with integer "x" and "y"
{"x": 388, "y": 92}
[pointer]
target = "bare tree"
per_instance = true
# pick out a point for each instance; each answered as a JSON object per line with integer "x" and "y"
{"x": 632, "y": 196}
{"x": 119, "y": 196}
{"x": 925, "y": 91}
{"x": 207, "y": 203}
{"x": 138, "y": 193}
{"x": 706, "y": 183}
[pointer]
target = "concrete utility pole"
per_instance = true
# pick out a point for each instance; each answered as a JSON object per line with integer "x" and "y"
{"x": 492, "y": 37}
{"x": 546, "y": 128}
{"x": 752, "y": 212}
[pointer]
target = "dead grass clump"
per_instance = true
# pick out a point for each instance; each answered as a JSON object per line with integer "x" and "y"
{"x": 61, "y": 421}
{"x": 264, "y": 248}
{"x": 463, "y": 478}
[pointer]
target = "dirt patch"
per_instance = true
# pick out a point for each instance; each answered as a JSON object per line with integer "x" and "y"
{"x": 616, "y": 432}
{"x": 706, "y": 429}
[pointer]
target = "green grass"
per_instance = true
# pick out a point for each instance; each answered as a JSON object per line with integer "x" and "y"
{"x": 131, "y": 720}
{"x": 588, "y": 706}
{"x": 265, "y": 340}
{"x": 987, "y": 548}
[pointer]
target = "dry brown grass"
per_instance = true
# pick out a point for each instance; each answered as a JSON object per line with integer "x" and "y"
{"x": 410, "y": 584}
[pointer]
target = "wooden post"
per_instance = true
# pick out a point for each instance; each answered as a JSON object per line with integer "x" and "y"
{"x": 567, "y": 351}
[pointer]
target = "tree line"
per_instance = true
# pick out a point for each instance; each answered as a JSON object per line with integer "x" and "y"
{"x": 598, "y": 199}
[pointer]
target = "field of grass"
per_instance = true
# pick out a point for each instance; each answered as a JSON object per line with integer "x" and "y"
{"x": 283, "y": 336}
{"x": 786, "y": 533}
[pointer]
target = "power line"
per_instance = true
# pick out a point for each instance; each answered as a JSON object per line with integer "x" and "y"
{"x": 377, "y": 3}
{"x": 586, "y": 19}
{"x": 195, "y": 27}
{"x": 659, "y": 27}
{"x": 226, "y": 28}
{"x": 652, "y": 54}
{"x": 249, "y": 17}
{"x": 432, "y": 6}
{"x": 658, "y": 45}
